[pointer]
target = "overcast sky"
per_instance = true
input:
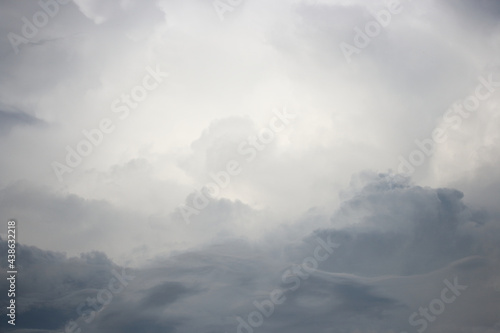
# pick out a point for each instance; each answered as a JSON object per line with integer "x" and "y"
{"x": 210, "y": 146}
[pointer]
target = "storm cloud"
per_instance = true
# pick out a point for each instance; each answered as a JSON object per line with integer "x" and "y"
{"x": 251, "y": 166}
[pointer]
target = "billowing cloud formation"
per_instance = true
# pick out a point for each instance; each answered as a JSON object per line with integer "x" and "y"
{"x": 395, "y": 248}
{"x": 219, "y": 149}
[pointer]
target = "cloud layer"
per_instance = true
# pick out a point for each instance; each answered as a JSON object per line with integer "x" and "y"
{"x": 391, "y": 249}
{"x": 120, "y": 118}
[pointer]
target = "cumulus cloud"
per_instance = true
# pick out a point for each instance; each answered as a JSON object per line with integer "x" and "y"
{"x": 397, "y": 246}
{"x": 331, "y": 172}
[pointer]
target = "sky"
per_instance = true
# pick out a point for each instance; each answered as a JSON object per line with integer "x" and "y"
{"x": 251, "y": 166}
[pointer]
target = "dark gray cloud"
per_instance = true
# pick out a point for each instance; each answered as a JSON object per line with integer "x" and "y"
{"x": 10, "y": 120}
{"x": 487, "y": 11}
{"x": 398, "y": 245}
{"x": 164, "y": 294}
{"x": 52, "y": 286}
